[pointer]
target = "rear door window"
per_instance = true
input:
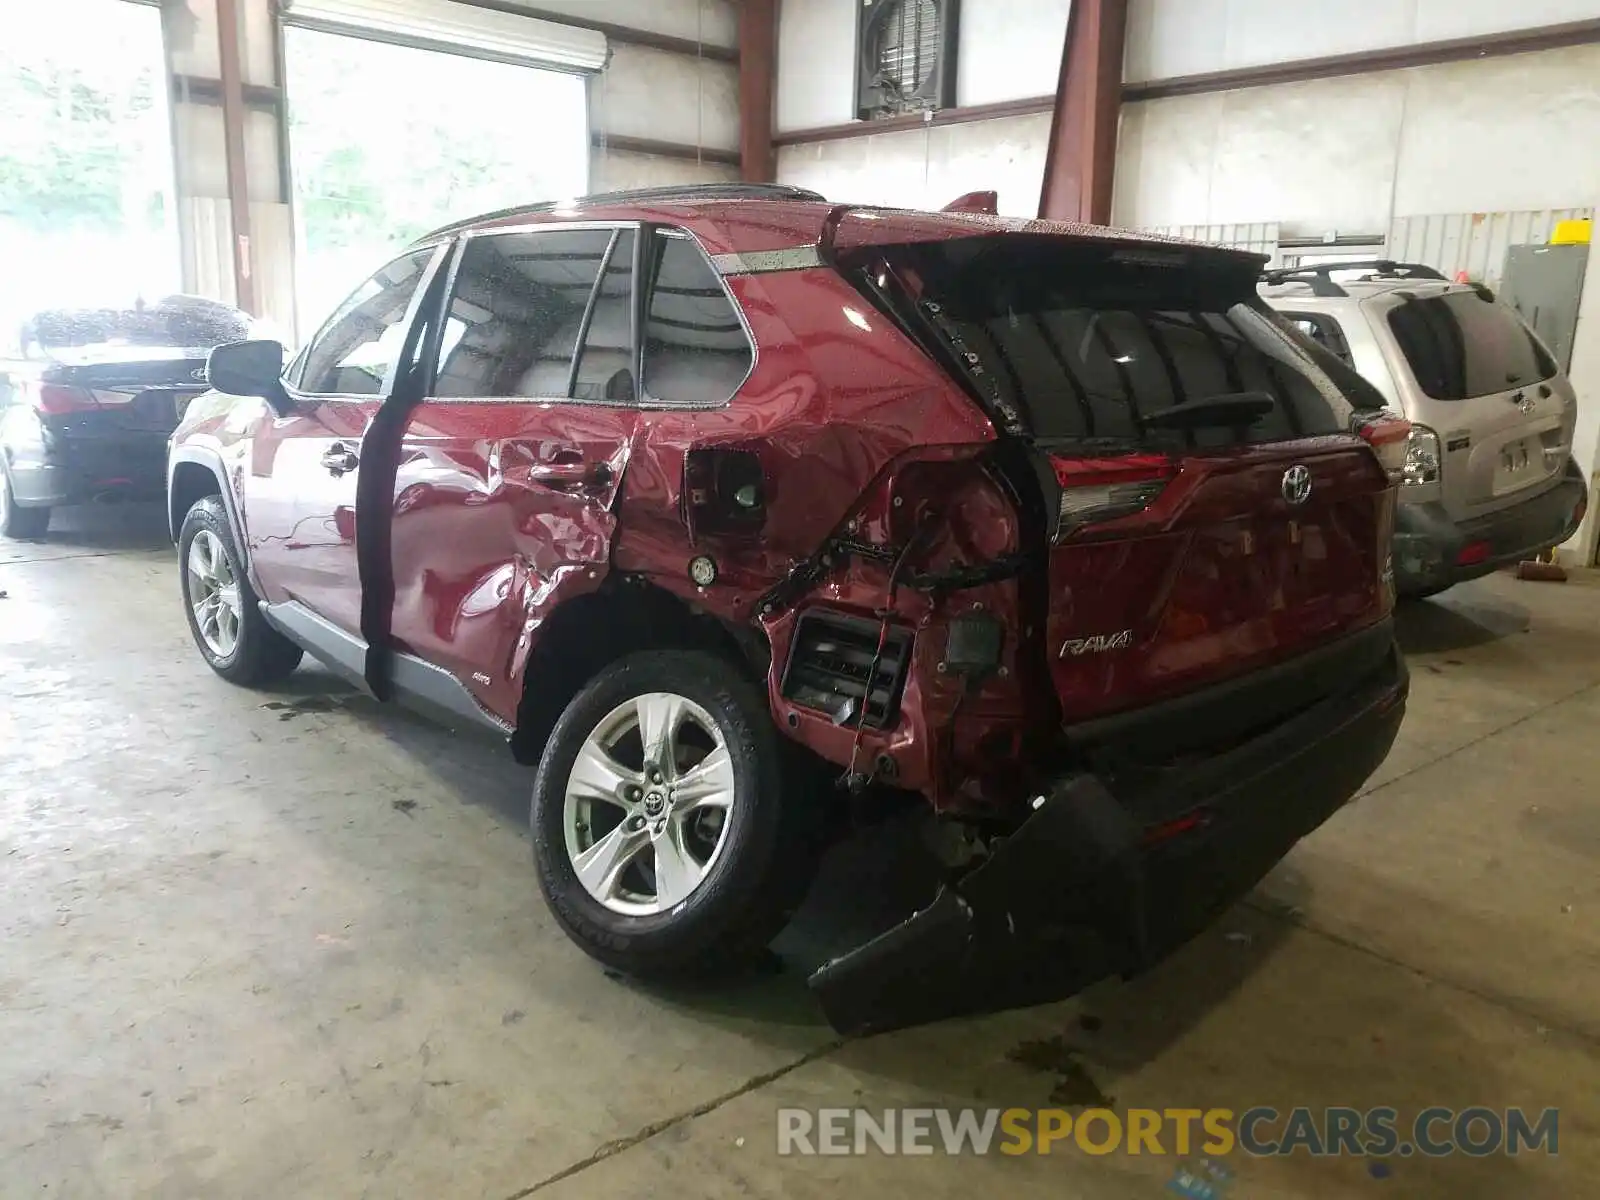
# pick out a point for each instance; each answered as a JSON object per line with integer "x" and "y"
{"x": 1072, "y": 344}
{"x": 1460, "y": 345}
{"x": 517, "y": 317}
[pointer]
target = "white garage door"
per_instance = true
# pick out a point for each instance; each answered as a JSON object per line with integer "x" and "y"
{"x": 456, "y": 28}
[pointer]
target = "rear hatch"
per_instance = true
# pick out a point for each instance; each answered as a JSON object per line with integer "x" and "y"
{"x": 1489, "y": 389}
{"x": 1213, "y": 510}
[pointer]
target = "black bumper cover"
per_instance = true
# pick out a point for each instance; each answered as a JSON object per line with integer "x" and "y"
{"x": 1427, "y": 542}
{"x": 1085, "y": 889}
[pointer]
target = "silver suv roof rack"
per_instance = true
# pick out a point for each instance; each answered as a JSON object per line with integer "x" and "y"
{"x": 1319, "y": 276}
{"x": 687, "y": 193}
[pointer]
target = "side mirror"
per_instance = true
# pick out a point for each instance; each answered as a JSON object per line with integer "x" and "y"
{"x": 250, "y": 369}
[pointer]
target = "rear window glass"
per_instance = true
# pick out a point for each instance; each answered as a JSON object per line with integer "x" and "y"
{"x": 1075, "y": 343}
{"x": 1461, "y": 345}
{"x": 182, "y": 322}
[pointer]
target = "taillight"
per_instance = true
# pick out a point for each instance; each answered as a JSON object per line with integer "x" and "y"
{"x": 1102, "y": 489}
{"x": 1389, "y": 435}
{"x": 57, "y": 398}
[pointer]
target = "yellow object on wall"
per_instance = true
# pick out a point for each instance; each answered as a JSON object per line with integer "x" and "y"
{"x": 1572, "y": 233}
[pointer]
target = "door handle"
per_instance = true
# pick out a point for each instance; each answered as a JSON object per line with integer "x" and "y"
{"x": 340, "y": 459}
{"x": 571, "y": 475}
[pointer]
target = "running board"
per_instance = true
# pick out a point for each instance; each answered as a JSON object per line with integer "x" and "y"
{"x": 343, "y": 653}
{"x": 418, "y": 684}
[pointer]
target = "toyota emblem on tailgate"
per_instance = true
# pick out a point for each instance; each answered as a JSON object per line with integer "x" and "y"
{"x": 1297, "y": 485}
{"x": 198, "y": 373}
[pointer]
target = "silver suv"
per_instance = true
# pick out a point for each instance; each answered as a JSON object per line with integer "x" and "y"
{"x": 1489, "y": 477}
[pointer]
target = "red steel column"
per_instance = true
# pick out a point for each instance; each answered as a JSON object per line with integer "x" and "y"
{"x": 758, "y": 71}
{"x": 1082, "y": 158}
{"x": 233, "y": 118}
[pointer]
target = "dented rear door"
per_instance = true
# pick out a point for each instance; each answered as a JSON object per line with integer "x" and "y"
{"x": 510, "y": 467}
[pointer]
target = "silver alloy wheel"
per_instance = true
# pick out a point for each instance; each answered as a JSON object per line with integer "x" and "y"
{"x": 643, "y": 838}
{"x": 214, "y": 594}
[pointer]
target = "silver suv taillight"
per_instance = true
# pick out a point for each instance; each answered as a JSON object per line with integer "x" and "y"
{"x": 1389, "y": 435}
{"x": 1422, "y": 457}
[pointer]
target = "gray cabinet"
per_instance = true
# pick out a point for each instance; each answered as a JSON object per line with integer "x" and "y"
{"x": 1544, "y": 284}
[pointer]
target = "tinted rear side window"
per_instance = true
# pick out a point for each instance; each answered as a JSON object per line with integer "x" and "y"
{"x": 695, "y": 351}
{"x": 1460, "y": 345}
{"x": 1087, "y": 343}
{"x": 516, "y": 315}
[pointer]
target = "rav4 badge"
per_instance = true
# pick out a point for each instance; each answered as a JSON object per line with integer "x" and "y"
{"x": 1100, "y": 643}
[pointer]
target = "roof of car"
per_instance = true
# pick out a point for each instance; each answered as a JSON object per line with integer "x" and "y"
{"x": 1316, "y": 282}
{"x": 744, "y": 219}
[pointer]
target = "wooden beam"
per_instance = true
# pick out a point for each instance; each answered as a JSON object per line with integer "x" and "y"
{"x": 679, "y": 150}
{"x": 1030, "y": 106}
{"x": 195, "y": 89}
{"x": 1365, "y": 62}
{"x": 1081, "y": 158}
{"x": 233, "y": 118}
{"x": 758, "y": 74}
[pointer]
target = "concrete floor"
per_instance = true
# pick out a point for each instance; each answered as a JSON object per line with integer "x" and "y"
{"x": 291, "y": 945}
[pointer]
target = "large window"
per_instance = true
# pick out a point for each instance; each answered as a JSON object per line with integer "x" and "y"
{"x": 1092, "y": 344}
{"x": 388, "y": 142}
{"x": 86, "y": 214}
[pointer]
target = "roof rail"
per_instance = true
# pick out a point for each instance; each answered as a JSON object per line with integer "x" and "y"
{"x": 1320, "y": 275}
{"x": 676, "y": 194}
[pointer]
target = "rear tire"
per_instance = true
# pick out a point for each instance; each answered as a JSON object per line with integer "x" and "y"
{"x": 662, "y": 894}
{"x": 223, "y": 610}
{"x": 16, "y": 521}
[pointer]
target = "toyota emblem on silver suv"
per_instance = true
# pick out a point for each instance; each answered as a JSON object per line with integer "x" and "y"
{"x": 1297, "y": 485}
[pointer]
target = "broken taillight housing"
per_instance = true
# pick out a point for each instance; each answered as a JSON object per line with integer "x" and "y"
{"x": 1094, "y": 490}
{"x": 1389, "y": 435}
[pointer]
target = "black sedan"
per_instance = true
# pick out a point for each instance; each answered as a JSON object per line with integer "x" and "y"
{"x": 89, "y": 397}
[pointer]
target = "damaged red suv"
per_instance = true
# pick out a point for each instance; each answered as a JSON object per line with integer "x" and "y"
{"x": 690, "y": 491}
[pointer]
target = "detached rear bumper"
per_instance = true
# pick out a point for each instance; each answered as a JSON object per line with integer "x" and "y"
{"x": 1085, "y": 889}
{"x": 1429, "y": 546}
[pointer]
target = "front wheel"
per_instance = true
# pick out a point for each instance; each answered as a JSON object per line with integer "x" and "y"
{"x": 666, "y": 842}
{"x": 224, "y": 615}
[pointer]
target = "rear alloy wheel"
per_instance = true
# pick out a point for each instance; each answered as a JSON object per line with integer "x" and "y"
{"x": 16, "y": 521}
{"x": 224, "y": 615}
{"x": 643, "y": 838}
{"x": 665, "y": 844}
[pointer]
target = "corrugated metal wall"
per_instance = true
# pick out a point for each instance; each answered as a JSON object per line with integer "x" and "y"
{"x": 1261, "y": 238}
{"x": 1473, "y": 242}
{"x": 1450, "y": 242}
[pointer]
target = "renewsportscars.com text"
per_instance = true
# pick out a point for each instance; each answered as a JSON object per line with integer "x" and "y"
{"x": 1326, "y": 1132}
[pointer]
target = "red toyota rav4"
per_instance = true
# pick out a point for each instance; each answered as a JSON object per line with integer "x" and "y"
{"x": 684, "y": 491}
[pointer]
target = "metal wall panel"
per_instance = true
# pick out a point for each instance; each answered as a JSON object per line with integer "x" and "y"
{"x": 1259, "y": 238}
{"x": 208, "y": 256}
{"x": 1473, "y": 242}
